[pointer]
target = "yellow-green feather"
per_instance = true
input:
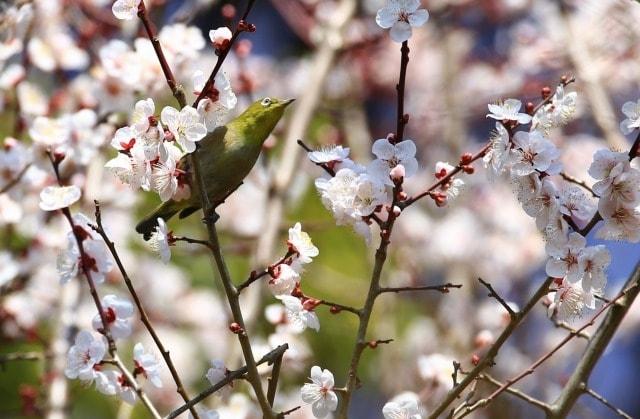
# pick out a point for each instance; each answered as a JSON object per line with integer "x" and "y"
{"x": 226, "y": 157}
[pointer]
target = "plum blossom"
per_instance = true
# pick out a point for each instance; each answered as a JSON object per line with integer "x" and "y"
{"x": 509, "y": 110}
{"x": 402, "y": 406}
{"x": 606, "y": 166}
{"x": 220, "y": 37}
{"x": 146, "y": 365}
{"x": 620, "y": 223}
{"x": 300, "y": 243}
{"x": 319, "y": 392}
{"x": 284, "y": 280}
{"x": 497, "y": 157}
{"x": 556, "y": 113}
{"x": 97, "y": 260}
{"x": 436, "y": 370}
{"x": 213, "y": 110}
{"x": 185, "y": 126}
{"x": 401, "y": 16}
{"x": 564, "y": 261}
{"x": 574, "y": 203}
{"x": 125, "y": 9}
{"x": 143, "y": 113}
{"x": 329, "y": 155}
{"x": 624, "y": 188}
{"x": 569, "y": 301}
{"x": 543, "y": 205}
{"x": 298, "y": 316}
{"x": 111, "y": 383}
{"x": 389, "y": 156}
{"x": 632, "y": 112}
{"x": 117, "y": 311}
{"x": 533, "y": 153}
{"x": 165, "y": 178}
{"x": 593, "y": 262}
{"x": 217, "y": 373}
{"x": 133, "y": 168}
{"x": 56, "y": 197}
{"x": 161, "y": 240}
{"x": 83, "y": 356}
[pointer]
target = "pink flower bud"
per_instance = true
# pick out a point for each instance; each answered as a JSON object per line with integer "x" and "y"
{"x": 397, "y": 173}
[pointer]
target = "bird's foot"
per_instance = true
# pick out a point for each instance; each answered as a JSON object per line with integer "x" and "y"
{"x": 210, "y": 217}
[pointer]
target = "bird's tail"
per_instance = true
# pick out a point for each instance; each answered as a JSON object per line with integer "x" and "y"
{"x": 165, "y": 211}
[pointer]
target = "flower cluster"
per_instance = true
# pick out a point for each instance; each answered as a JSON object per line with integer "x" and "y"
{"x": 532, "y": 163}
{"x": 355, "y": 193}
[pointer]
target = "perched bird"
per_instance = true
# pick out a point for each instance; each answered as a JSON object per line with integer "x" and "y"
{"x": 226, "y": 157}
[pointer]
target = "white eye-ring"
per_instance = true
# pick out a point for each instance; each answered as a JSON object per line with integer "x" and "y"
{"x": 266, "y": 102}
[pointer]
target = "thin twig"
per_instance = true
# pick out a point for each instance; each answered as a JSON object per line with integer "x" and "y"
{"x": 340, "y": 307}
{"x": 597, "y": 345}
{"x": 272, "y": 386}
{"x": 324, "y": 166}
{"x": 443, "y": 288}
{"x": 13, "y": 182}
{"x": 518, "y": 393}
{"x": 494, "y": 294}
{"x": 99, "y": 228}
{"x": 578, "y": 182}
{"x": 190, "y": 240}
{"x": 176, "y": 89}
{"x": 232, "y": 375}
{"x": 483, "y": 402}
{"x": 607, "y": 403}
{"x": 401, "y": 118}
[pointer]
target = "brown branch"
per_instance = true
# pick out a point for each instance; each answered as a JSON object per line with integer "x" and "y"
{"x": 190, "y": 240}
{"x": 598, "y": 344}
{"x": 518, "y": 393}
{"x": 232, "y": 375}
{"x": 13, "y": 182}
{"x": 562, "y": 409}
{"x": 272, "y": 386}
{"x": 494, "y": 294}
{"x": 446, "y": 179}
{"x": 337, "y": 308}
{"x": 443, "y": 288}
{"x": 96, "y": 298}
{"x": 99, "y": 228}
{"x": 176, "y": 89}
{"x": 402, "y": 119}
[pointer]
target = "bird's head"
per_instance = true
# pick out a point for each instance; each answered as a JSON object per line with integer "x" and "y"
{"x": 263, "y": 115}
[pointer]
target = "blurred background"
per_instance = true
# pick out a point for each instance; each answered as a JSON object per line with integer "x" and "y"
{"x": 343, "y": 70}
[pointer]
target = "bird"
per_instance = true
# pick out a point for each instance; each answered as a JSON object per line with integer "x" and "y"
{"x": 226, "y": 156}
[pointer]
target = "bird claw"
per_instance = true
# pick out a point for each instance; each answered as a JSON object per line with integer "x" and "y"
{"x": 211, "y": 217}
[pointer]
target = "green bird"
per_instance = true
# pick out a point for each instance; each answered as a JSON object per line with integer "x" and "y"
{"x": 226, "y": 156}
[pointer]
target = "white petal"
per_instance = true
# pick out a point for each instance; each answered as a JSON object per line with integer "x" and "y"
{"x": 400, "y": 31}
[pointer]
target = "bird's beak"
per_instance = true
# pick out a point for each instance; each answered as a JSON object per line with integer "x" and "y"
{"x": 288, "y": 102}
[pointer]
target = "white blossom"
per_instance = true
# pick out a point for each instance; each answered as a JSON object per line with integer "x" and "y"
{"x": 564, "y": 261}
{"x": 284, "y": 280}
{"x": 56, "y": 197}
{"x": 402, "y": 406}
{"x": 164, "y": 178}
{"x": 83, "y": 356}
{"x": 185, "y": 126}
{"x": 620, "y": 223}
{"x": 569, "y": 301}
{"x": 212, "y": 112}
{"x": 147, "y": 365}
{"x": 632, "y": 112}
{"x": 389, "y": 156}
{"x": 298, "y": 316}
{"x": 593, "y": 262}
{"x": 133, "y": 168}
{"x": 497, "y": 157}
{"x": 97, "y": 262}
{"x": 574, "y": 203}
{"x": 220, "y": 36}
{"x": 117, "y": 311}
{"x": 300, "y": 243}
{"x": 319, "y": 392}
{"x": 327, "y": 155}
{"x": 160, "y": 241}
{"x": 125, "y": 9}
{"x": 606, "y": 166}
{"x": 142, "y": 112}
{"x": 532, "y": 153}
{"x": 509, "y": 110}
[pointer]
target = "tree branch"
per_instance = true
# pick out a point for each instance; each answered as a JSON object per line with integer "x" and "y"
{"x": 232, "y": 375}
{"x": 99, "y": 228}
{"x": 494, "y": 294}
{"x": 597, "y": 345}
{"x": 443, "y": 288}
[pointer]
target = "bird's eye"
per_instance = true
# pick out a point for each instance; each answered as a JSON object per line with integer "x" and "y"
{"x": 266, "y": 102}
